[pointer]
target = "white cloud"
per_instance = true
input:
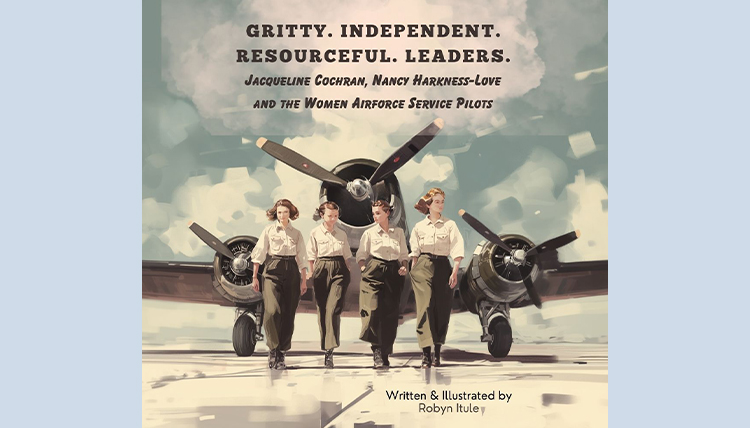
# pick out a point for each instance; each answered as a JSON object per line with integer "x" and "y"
{"x": 222, "y": 209}
{"x": 525, "y": 203}
{"x": 202, "y": 53}
{"x": 588, "y": 215}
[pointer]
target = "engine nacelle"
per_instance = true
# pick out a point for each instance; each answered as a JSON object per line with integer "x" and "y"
{"x": 233, "y": 278}
{"x": 487, "y": 277}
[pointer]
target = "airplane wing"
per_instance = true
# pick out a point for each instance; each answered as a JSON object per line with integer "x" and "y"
{"x": 558, "y": 281}
{"x": 180, "y": 282}
{"x": 192, "y": 282}
{"x": 571, "y": 280}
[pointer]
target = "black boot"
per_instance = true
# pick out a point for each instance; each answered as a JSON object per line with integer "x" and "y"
{"x": 436, "y": 361}
{"x": 377, "y": 357}
{"x": 280, "y": 363}
{"x": 271, "y": 358}
{"x": 426, "y": 357}
{"x": 386, "y": 362}
{"x": 329, "y": 359}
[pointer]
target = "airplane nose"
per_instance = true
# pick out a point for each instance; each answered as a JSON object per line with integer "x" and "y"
{"x": 239, "y": 265}
{"x": 359, "y": 189}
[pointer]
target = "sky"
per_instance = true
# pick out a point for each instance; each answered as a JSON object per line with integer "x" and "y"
{"x": 535, "y": 164}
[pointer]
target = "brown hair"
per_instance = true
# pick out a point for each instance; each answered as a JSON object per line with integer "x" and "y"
{"x": 423, "y": 204}
{"x": 385, "y": 206}
{"x": 293, "y": 211}
{"x": 330, "y": 205}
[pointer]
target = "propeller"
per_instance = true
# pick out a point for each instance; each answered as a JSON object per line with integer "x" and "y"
{"x": 554, "y": 243}
{"x": 518, "y": 257}
{"x": 484, "y": 230}
{"x": 533, "y": 294}
{"x": 298, "y": 162}
{"x": 407, "y": 151}
{"x": 359, "y": 188}
{"x": 211, "y": 240}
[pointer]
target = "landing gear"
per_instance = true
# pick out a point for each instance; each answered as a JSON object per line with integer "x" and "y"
{"x": 496, "y": 330}
{"x": 246, "y": 331}
{"x": 502, "y": 337}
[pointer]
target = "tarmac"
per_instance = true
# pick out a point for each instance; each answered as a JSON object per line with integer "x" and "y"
{"x": 536, "y": 385}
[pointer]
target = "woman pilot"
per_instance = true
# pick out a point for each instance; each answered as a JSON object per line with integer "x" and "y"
{"x": 433, "y": 240}
{"x": 328, "y": 253}
{"x": 382, "y": 282}
{"x": 282, "y": 249}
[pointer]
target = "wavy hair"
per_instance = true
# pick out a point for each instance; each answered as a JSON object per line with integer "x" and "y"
{"x": 293, "y": 211}
{"x": 423, "y": 204}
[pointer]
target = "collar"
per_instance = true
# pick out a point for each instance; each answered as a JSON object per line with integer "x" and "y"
{"x": 440, "y": 220}
{"x": 380, "y": 229}
{"x": 280, "y": 226}
{"x": 324, "y": 230}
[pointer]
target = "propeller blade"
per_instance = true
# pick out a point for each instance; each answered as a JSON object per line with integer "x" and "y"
{"x": 554, "y": 243}
{"x": 298, "y": 162}
{"x": 407, "y": 151}
{"x": 529, "y": 286}
{"x": 211, "y": 240}
{"x": 484, "y": 230}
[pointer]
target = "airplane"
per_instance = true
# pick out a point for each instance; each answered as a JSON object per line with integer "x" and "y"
{"x": 226, "y": 281}
{"x": 505, "y": 272}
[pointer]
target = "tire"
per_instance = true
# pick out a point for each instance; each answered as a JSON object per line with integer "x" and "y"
{"x": 243, "y": 336}
{"x": 502, "y": 337}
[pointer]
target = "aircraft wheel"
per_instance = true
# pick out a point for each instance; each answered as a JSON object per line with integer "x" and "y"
{"x": 243, "y": 336}
{"x": 502, "y": 337}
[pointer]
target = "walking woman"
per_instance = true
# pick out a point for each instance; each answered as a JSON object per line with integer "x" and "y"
{"x": 282, "y": 249}
{"x": 382, "y": 282}
{"x": 433, "y": 240}
{"x": 328, "y": 253}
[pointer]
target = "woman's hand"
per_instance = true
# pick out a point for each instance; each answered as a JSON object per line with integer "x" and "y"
{"x": 454, "y": 280}
{"x": 402, "y": 271}
{"x": 302, "y": 286}
{"x": 256, "y": 284}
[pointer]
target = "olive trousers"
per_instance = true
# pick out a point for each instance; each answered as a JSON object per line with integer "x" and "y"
{"x": 429, "y": 279}
{"x": 379, "y": 297}
{"x": 281, "y": 293}
{"x": 330, "y": 281}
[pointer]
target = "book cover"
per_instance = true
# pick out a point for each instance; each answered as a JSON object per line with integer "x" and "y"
{"x": 502, "y": 106}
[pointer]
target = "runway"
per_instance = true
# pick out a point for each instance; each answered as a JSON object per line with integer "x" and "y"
{"x": 537, "y": 385}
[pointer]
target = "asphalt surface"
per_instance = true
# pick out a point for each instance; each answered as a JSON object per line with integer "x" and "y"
{"x": 537, "y": 385}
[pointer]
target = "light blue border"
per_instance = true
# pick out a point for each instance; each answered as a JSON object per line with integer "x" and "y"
{"x": 71, "y": 214}
{"x": 678, "y": 165}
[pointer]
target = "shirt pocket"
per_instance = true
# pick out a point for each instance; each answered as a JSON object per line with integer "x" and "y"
{"x": 396, "y": 246}
{"x": 377, "y": 243}
{"x": 276, "y": 244}
{"x": 442, "y": 242}
{"x": 324, "y": 247}
{"x": 337, "y": 247}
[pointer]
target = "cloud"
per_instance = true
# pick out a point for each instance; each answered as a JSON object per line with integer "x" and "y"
{"x": 223, "y": 208}
{"x": 587, "y": 201}
{"x": 526, "y": 203}
{"x": 201, "y": 59}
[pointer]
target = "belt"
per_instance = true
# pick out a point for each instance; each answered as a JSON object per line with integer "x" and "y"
{"x": 384, "y": 260}
{"x": 434, "y": 257}
{"x": 283, "y": 257}
{"x": 339, "y": 258}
